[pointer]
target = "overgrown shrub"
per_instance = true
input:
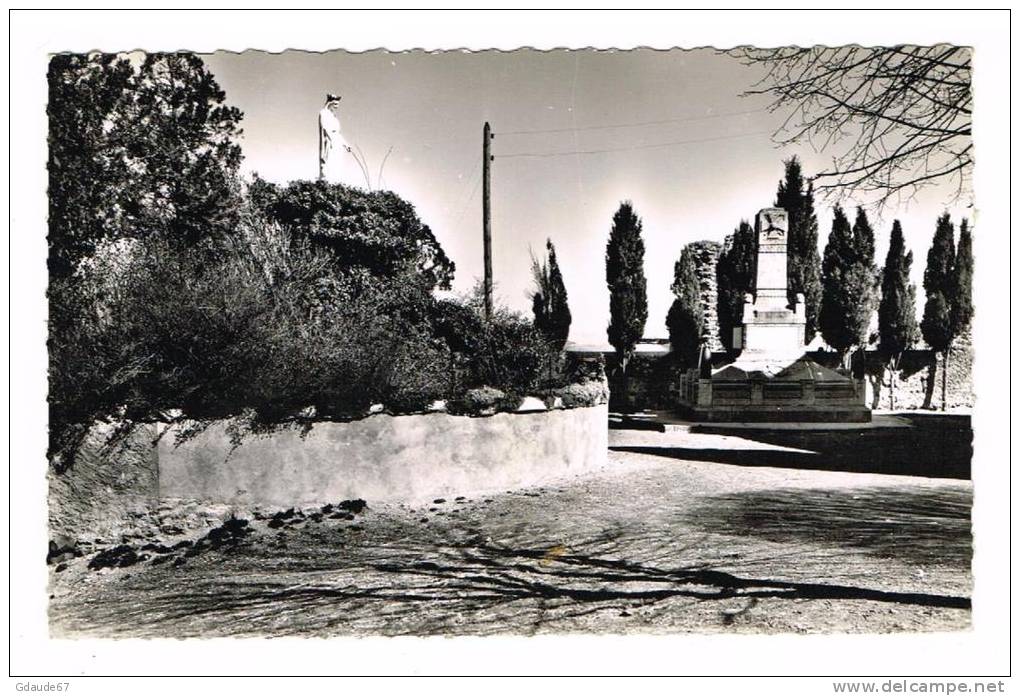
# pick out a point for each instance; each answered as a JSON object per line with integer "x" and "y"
{"x": 578, "y": 369}
{"x": 179, "y": 295}
{"x": 511, "y": 355}
{"x": 420, "y": 371}
{"x": 477, "y": 401}
{"x": 265, "y": 331}
{"x": 374, "y": 230}
{"x": 581, "y": 395}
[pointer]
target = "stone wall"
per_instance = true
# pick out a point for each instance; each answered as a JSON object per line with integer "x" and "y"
{"x": 914, "y": 378}
{"x": 386, "y": 458}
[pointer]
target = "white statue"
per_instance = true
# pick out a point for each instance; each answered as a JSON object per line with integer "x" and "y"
{"x": 332, "y": 158}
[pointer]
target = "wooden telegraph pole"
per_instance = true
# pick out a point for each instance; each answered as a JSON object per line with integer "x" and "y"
{"x": 487, "y": 218}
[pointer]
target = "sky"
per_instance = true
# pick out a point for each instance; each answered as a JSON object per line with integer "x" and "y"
{"x": 667, "y": 130}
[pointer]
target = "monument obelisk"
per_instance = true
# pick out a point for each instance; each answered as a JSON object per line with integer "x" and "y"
{"x": 770, "y": 324}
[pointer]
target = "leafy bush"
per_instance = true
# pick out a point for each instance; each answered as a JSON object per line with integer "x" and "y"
{"x": 581, "y": 395}
{"x": 511, "y": 355}
{"x": 459, "y": 324}
{"x": 373, "y": 230}
{"x": 420, "y": 371}
{"x": 264, "y": 330}
{"x": 478, "y": 401}
{"x": 579, "y": 369}
{"x": 507, "y": 352}
{"x": 189, "y": 298}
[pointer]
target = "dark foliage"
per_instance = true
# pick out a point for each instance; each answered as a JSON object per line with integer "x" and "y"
{"x": 897, "y": 320}
{"x": 734, "y": 279}
{"x": 685, "y": 319}
{"x": 937, "y": 323}
{"x": 511, "y": 355}
{"x": 625, "y": 277}
{"x": 803, "y": 262}
{"x": 549, "y": 300}
{"x": 374, "y": 230}
{"x": 942, "y": 315}
{"x": 136, "y": 152}
{"x": 848, "y": 283}
{"x": 86, "y": 165}
{"x": 182, "y": 141}
{"x": 963, "y": 280}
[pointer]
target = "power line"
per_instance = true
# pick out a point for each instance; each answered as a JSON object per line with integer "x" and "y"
{"x": 635, "y": 124}
{"x": 648, "y": 146}
{"x": 478, "y": 180}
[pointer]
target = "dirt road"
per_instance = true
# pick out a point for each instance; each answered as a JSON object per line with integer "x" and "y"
{"x": 654, "y": 543}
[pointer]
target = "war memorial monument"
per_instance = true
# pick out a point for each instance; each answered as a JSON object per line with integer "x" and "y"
{"x": 772, "y": 378}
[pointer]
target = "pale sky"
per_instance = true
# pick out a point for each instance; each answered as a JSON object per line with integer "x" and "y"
{"x": 699, "y": 160}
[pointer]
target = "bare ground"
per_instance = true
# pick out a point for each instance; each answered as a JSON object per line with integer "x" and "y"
{"x": 654, "y": 543}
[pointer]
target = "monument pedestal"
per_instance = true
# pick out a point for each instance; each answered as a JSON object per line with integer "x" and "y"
{"x": 772, "y": 379}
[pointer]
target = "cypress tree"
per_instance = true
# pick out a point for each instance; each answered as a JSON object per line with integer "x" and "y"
{"x": 803, "y": 266}
{"x": 734, "y": 277}
{"x": 869, "y": 278}
{"x": 625, "y": 278}
{"x": 864, "y": 238}
{"x": 897, "y": 319}
{"x": 963, "y": 280}
{"x": 685, "y": 320}
{"x": 549, "y": 300}
{"x": 848, "y": 284}
{"x": 937, "y": 322}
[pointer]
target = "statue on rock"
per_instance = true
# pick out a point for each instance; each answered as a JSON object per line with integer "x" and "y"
{"x": 334, "y": 162}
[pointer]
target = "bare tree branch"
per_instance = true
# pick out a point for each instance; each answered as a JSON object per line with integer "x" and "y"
{"x": 896, "y": 118}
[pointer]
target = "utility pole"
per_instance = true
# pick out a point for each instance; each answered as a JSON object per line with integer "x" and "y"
{"x": 487, "y": 218}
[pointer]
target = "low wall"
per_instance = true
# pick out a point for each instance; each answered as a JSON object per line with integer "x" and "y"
{"x": 91, "y": 499}
{"x": 386, "y": 458}
{"x": 653, "y": 381}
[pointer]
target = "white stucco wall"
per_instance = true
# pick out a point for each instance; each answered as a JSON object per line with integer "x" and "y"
{"x": 386, "y": 458}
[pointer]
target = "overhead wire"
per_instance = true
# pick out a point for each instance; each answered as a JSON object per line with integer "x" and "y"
{"x": 477, "y": 178}
{"x": 645, "y": 146}
{"x": 635, "y": 124}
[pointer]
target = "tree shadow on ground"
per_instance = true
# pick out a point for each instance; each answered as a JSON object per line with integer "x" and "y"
{"x": 936, "y": 446}
{"x": 463, "y": 588}
{"x": 914, "y": 525}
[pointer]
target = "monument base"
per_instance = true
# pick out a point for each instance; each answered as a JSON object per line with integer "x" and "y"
{"x": 768, "y": 388}
{"x": 778, "y": 415}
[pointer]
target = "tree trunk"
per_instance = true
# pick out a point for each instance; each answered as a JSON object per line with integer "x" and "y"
{"x": 892, "y": 388}
{"x": 844, "y": 360}
{"x": 929, "y": 387}
{"x": 894, "y": 368}
{"x": 875, "y": 382}
{"x": 624, "y": 384}
{"x": 945, "y": 375}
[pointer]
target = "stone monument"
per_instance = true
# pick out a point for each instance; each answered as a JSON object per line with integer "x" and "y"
{"x": 772, "y": 379}
{"x": 770, "y": 326}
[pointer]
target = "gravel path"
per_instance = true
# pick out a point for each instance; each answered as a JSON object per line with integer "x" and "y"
{"x": 650, "y": 544}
